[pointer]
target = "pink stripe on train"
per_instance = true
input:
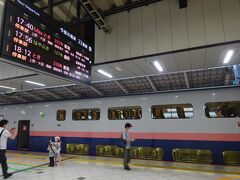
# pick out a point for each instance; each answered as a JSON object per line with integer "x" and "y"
{"x": 143, "y": 135}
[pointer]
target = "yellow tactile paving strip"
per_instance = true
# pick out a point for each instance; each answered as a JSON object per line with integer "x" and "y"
{"x": 230, "y": 178}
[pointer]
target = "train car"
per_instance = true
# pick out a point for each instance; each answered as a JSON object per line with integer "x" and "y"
{"x": 198, "y": 126}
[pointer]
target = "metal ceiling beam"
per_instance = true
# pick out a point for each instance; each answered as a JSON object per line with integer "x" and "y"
{"x": 18, "y": 77}
{"x": 96, "y": 90}
{"x": 78, "y": 13}
{"x": 50, "y": 8}
{"x": 127, "y": 7}
{"x": 51, "y": 94}
{"x": 119, "y": 3}
{"x": 151, "y": 83}
{"x": 55, "y": 4}
{"x": 3, "y": 99}
{"x": 33, "y": 96}
{"x": 71, "y": 92}
{"x": 186, "y": 80}
{"x": 92, "y": 11}
{"x": 121, "y": 87}
{"x": 21, "y": 99}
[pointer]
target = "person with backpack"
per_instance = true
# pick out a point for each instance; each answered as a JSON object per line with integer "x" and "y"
{"x": 4, "y": 135}
{"x": 127, "y": 146}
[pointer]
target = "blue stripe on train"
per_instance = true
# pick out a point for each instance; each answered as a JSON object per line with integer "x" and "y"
{"x": 38, "y": 143}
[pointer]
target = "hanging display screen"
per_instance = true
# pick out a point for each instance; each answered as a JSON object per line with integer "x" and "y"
{"x": 31, "y": 38}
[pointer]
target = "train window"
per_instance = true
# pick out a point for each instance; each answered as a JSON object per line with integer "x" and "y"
{"x": 85, "y": 114}
{"x": 228, "y": 109}
{"x": 61, "y": 115}
{"x": 125, "y": 113}
{"x": 172, "y": 111}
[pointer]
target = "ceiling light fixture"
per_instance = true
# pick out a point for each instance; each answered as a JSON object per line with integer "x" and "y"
{"x": 118, "y": 68}
{"x": 158, "y": 66}
{"x": 104, "y": 73}
{"x": 6, "y": 87}
{"x": 35, "y": 83}
{"x": 228, "y": 57}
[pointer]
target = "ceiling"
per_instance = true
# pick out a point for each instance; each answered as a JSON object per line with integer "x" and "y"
{"x": 174, "y": 62}
{"x": 205, "y": 78}
{"x": 65, "y": 10}
{"x": 198, "y": 68}
{"x": 14, "y": 76}
{"x": 192, "y": 60}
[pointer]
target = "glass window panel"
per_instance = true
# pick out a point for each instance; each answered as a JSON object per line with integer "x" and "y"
{"x": 125, "y": 113}
{"x": 172, "y": 111}
{"x": 230, "y": 109}
{"x": 61, "y": 115}
{"x": 85, "y": 114}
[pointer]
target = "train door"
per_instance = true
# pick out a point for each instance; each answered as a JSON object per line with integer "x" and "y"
{"x": 23, "y": 134}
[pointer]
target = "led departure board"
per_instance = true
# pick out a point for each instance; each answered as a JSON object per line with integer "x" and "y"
{"x": 33, "y": 39}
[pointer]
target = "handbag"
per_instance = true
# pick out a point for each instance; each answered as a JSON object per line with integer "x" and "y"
{"x": 121, "y": 142}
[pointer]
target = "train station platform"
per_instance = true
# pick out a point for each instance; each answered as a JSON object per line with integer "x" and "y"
{"x": 33, "y": 165}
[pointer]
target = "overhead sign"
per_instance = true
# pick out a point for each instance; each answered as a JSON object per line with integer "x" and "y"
{"x": 33, "y": 39}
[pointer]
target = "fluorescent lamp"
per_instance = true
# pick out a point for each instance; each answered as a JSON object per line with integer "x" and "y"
{"x": 228, "y": 57}
{"x": 6, "y": 87}
{"x": 104, "y": 73}
{"x": 118, "y": 68}
{"x": 35, "y": 83}
{"x": 158, "y": 66}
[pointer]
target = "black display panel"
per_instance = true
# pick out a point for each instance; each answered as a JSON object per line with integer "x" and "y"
{"x": 33, "y": 39}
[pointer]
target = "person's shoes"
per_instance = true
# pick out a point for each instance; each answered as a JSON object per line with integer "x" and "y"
{"x": 127, "y": 168}
{"x": 8, "y": 175}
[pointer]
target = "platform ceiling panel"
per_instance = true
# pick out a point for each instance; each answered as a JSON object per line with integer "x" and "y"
{"x": 205, "y": 78}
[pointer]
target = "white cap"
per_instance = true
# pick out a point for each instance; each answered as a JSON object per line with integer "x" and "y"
{"x": 57, "y": 138}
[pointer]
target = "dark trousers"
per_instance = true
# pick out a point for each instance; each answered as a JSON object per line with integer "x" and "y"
{"x": 51, "y": 161}
{"x": 126, "y": 157}
{"x": 3, "y": 161}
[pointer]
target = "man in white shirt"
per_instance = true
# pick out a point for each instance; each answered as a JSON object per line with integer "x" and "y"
{"x": 128, "y": 140}
{"x": 4, "y": 135}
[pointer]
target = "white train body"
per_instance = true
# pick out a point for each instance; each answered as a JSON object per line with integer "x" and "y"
{"x": 208, "y": 133}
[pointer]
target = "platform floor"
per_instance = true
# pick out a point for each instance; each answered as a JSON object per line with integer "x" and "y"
{"x": 32, "y": 165}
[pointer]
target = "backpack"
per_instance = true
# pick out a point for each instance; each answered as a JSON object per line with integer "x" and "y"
{"x": 121, "y": 142}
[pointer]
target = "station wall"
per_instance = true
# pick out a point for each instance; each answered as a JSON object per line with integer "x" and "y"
{"x": 162, "y": 27}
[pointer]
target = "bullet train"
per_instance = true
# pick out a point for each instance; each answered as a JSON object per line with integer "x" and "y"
{"x": 198, "y": 119}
